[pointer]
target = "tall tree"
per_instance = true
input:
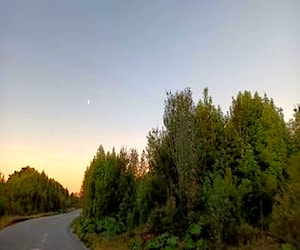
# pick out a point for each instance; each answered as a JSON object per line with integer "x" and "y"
{"x": 210, "y": 135}
{"x": 179, "y": 120}
{"x": 286, "y": 209}
{"x": 261, "y": 129}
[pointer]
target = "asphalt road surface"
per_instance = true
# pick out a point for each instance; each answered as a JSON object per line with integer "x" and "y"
{"x": 47, "y": 233}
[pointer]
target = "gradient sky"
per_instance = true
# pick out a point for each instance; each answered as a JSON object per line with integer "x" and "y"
{"x": 122, "y": 56}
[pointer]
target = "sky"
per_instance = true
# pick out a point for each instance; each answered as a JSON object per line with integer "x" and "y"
{"x": 77, "y": 74}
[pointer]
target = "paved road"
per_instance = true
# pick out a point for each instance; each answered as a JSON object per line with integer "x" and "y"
{"x": 47, "y": 233}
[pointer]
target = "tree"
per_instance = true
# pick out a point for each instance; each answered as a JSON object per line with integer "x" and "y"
{"x": 108, "y": 187}
{"x": 143, "y": 165}
{"x": 286, "y": 210}
{"x": 226, "y": 177}
{"x": 179, "y": 120}
{"x": 210, "y": 136}
{"x": 133, "y": 164}
{"x": 260, "y": 128}
{"x": 223, "y": 207}
{"x": 3, "y": 198}
{"x": 30, "y": 192}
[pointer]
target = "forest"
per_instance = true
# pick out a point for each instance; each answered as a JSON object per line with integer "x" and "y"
{"x": 206, "y": 180}
{"x": 28, "y": 192}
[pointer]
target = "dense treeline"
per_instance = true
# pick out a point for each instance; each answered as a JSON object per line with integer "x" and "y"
{"x": 206, "y": 181}
{"x": 29, "y": 192}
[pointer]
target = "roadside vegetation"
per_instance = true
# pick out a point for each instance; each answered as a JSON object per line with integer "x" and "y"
{"x": 206, "y": 180}
{"x": 29, "y": 194}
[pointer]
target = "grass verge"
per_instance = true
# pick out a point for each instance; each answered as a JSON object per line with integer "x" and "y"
{"x": 125, "y": 242}
{"x": 97, "y": 242}
{"x": 8, "y": 220}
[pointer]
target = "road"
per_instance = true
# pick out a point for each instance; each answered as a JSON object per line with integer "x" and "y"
{"x": 46, "y": 233}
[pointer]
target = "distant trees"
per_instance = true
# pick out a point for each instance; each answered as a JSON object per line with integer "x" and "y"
{"x": 2, "y": 195}
{"x": 29, "y": 192}
{"x": 209, "y": 178}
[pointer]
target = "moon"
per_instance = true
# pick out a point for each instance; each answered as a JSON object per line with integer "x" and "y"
{"x": 88, "y": 102}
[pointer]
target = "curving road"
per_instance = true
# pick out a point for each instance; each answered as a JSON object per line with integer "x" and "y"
{"x": 45, "y": 233}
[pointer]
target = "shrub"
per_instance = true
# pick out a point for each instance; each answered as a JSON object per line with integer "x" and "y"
{"x": 193, "y": 240}
{"x": 287, "y": 246}
{"x": 247, "y": 233}
{"x": 135, "y": 243}
{"x": 110, "y": 226}
{"x": 164, "y": 241}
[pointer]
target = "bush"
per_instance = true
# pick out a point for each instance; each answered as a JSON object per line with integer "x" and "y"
{"x": 164, "y": 241}
{"x": 286, "y": 210}
{"x": 247, "y": 233}
{"x": 287, "y": 246}
{"x": 110, "y": 226}
{"x": 193, "y": 240}
{"x": 82, "y": 226}
{"x": 143, "y": 199}
{"x": 135, "y": 243}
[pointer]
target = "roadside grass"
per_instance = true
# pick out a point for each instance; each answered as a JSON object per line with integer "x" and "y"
{"x": 138, "y": 239}
{"x": 8, "y": 220}
{"x": 99, "y": 242}
{"x": 125, "y": 242}
{"x": 265, "y": 243}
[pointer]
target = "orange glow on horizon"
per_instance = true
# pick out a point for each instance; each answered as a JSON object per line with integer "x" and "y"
{"x": 66, "y": 167}
{"x": 65, "y": 162}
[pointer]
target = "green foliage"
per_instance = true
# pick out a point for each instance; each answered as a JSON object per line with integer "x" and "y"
{"x": 260, "y": 131}
{"x": 193, "y": 239}
{"x": 108, "y": 193}
{"x": 163, "y": 241}
{"x": 287, "y": 246}
{"x": 110, "y": 226}
{"x": 74, "y": 201}
{"x": 286, "y": 210}
{"x": 223, "y": 207}
{"x": 246, "y": 233}
{"x": 82, "y": 226}
{"x": 144, "y": 202}
{"x": 210, "y": 135}
{"x": 3, "y": 195}
{"x": 28, "y": 192}
{"x": 135, "y": 244}
{"x": 180, "y": 122}
{"x": 235, "y": 174}
{"x": 158, "y": 222}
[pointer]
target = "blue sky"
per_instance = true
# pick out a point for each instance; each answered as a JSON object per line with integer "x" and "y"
{"x": 122, "y": 56}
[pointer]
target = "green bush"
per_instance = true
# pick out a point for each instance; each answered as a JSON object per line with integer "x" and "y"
{"x": 193, "y": 240}
{"x": 247, "y": 233}
{"x": 82, "y": 226}
{"x": 156, "y": 221}
{"x": 143, "y": 199}
{"x": 135, "y": 243}
{"x": 110, "y": 226}
{"x": 130, "y": 220}
{"x": 287, "y": 246}
{"x": 164, "y": 241}
{"x": 286, "y": 209}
